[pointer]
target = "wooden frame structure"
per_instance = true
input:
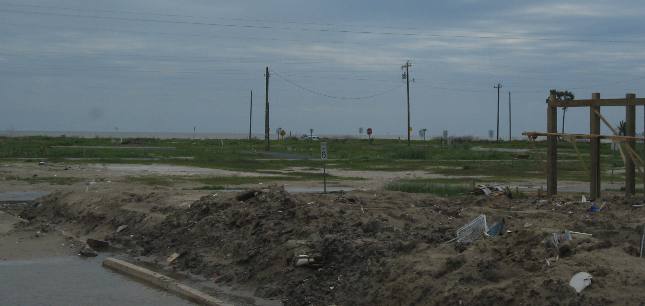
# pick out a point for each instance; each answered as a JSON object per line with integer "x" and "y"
{"x": 629, "y": 102}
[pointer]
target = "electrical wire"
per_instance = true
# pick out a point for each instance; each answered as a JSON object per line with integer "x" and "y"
{"x": 322, "y": 94}
{"x": 324, "y": 30}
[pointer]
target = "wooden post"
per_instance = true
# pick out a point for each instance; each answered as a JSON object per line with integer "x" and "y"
{"x": 266, "y": 112}
{"x": 630, "y": 130}
{"x": 552, "y": 150}
{"x": 594, "y": 129}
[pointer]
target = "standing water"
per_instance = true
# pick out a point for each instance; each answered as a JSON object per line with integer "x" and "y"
{"x": 74, "y": 281}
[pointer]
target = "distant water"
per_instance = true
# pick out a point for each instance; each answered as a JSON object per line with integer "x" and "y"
{"x": 170, "y": 135}
{"x": 115, "y": 134}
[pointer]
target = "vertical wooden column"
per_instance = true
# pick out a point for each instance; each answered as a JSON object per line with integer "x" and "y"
{"x": 552, "y": 150}
{"x": 630, "y": 130}
{"x": 594, "y": 129}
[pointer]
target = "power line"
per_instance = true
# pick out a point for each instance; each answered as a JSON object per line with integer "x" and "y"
{"x": 197, "y": 17}
{"x": 324, "y": 30}
{"x": 315, "y": 92}
{"x": 237, "y": 37}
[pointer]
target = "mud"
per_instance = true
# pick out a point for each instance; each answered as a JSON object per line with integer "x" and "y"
{"x": 363, "y": 248}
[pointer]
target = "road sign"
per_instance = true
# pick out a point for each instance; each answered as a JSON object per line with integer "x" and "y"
{"x": 369, "y": 131}
{"x": 323, "y": 150}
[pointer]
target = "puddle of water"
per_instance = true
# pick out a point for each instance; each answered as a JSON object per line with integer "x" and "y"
{"x": 21, "y": 196}
{"x": 74, "y": 281}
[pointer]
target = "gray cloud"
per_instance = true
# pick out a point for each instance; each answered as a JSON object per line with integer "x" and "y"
{"x": 167, "y": 66}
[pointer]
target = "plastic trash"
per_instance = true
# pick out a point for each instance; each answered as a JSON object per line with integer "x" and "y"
{"x": 580, "y": 281}
{"x": 497, "y": 229}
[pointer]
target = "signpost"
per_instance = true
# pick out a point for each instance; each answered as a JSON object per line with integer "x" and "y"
{"x": 323, "y": 157}
{"x": 369, "y": 133}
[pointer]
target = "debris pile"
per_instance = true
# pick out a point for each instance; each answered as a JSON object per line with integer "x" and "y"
{"x": 493, "y": 191}
{"x": 372, "y": 248}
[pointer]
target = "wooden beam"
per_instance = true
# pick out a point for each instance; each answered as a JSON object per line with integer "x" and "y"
{"x": 594, "y": 129}
{"x": 631, "y": 153}
{"x": 630, "y": 130}
{"x": 600, "y": 102}
{"x": 552, "y": 150}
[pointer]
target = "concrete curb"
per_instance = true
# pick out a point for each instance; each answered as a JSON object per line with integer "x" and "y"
{"x": 161, "y": 281}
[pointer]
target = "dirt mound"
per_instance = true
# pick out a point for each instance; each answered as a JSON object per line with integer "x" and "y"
{"x": 377, "y": 249}
{"x": 347, "y": 243}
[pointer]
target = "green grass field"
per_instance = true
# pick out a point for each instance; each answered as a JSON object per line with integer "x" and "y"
{"x": 504, "y": 161}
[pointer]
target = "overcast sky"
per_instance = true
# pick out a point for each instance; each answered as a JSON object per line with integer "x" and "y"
{"x": 166, "y": 66}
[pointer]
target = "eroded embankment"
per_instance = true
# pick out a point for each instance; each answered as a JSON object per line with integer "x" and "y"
{"x": 363, "y": 248}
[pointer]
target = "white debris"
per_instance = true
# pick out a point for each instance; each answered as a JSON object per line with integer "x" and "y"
{"x": 580, "y": 281}
{"x": 473, "y": 230}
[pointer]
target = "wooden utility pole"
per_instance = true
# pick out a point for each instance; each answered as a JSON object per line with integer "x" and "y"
{"x": 594, "y": 129}
{"x": 266, "y": 113}
{"x": 406, "y": 76}
{"x": 510, "y": 136}
{"x": 630, "y": 120}
{"x": 552, "y": 150}
{"x": 251, "y": 115}
{"x": 498, "y": 86}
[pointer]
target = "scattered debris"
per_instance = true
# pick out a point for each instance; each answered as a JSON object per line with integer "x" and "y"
{"x": 300, "y": 253}
{"x": 472, "y": 231}
{"x": 595, "y": 208}
{"x": 580, "y": 281}
{"x": 173, "y": 257}
{"x": 497, "y": 229}
{"x": 580, "y": 233}
{"x": 557, "y": 238}
{"x": 493, "y": 190}
{"x": 121, "y": 228}
{"x": 96, "y": 244}
{"x": 305, "y": 260}
{"x": 87, "y": 252}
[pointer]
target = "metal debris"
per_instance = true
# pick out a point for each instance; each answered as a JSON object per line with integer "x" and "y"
{"x": 472, "y": 231}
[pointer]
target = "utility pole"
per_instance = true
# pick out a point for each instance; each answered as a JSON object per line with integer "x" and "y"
{"x": 266, "y": 112}
{"x": 406, "y": 76}
{"x": 498, "y": 86}
{"x": 510, "y": 136}
{"x": 251, "y": 115}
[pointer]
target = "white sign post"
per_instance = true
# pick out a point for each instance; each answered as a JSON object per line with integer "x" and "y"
{"x": 323, "y": 157}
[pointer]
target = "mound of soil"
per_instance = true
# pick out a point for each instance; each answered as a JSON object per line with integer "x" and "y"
{"x": 375, "y": 249}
